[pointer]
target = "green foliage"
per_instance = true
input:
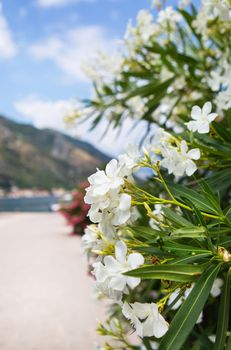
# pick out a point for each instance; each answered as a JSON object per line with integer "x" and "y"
{"x": 184, "y": 227}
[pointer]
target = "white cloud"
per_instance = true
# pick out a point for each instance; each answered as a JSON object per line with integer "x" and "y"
{"x": 50, "y": 114}
{"x": 7, "y": 45}
{"x": 55, "y": 3}
{"x": 69, "y": 50}
{"x": 45, "y": 113}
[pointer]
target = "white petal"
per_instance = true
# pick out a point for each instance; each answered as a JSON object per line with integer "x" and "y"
{"x": 102, "y": 189}
{"x": 194, "y": 153}
{"x": 207, "y": 108}
{"x": 94, "y": 215}
{"x": 142, "y": 310}
{"x": 196, "y": 112}
{"x": 111, "y": 168}
{"x": 167, "y": 165}
{"x": 179, "y": 169}
{"x": 127, "y": 311}
{"x": 148, "y": 327}
{"x": 118, "y": 282}
{"x": 117, "y": 182}
{"x": 100, "y": 272}
{"x": 139, "y": 327}
{"x": 190, "y": 168}
{"x": 121, "y": 251}
{"x": 135, "y": 260}
{"x": 133, "y": 282}
{"x": 97, "y": 178}
{"x": 192, "y": 126}
{"x": 121, "y": 217}
{"x": 200, "y": 318}
{"x": 203, "y": 128}
{"x": 111, "y": 264}
{"x": 183, "y": 147}
{"x": 160, "y": 327}
{"x": 216, "y": 288}
{"x": 125, "y": 201}
{"x": 172, "y": 297}
{"x": 212, "y": 116}
{"x": 188, "y": 291}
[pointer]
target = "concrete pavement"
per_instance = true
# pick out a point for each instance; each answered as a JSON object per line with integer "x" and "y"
{"x": 46, "y": 298}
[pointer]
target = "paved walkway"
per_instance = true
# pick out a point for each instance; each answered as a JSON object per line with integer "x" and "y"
{"x": 46, "y": 298}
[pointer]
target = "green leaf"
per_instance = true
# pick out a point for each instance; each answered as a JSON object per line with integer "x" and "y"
{"x": 146, "y": 231}
{"x": 220, "y": 180}
{"x": 213, "y": 145}
{"x": 184, "y": 249}
{"x": 170, "y": 272}
{"x": 191, "y": 259}
{"x": 188, "y": 314}
{"x": 223, "y": 316}
{"x": 229, "y": 342}
{"x": 223, "y": 132}
{"x": 151, "y": 88}
{"x": 175, "y": 218}
{"x": 152, "y": 250}
{"x": 188, "y": 232}
{"x": 226, "y": 242}
{"x": 199, "y": 200}
{"x": 211, "y": 197}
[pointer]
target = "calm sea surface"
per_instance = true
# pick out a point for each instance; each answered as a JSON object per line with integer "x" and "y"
{"x": 34, "y": 204}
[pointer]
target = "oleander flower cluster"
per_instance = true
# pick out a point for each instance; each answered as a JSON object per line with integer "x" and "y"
{"x": 159, "y": 246}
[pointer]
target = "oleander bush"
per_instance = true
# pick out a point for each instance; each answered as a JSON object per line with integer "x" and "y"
{"x": 76, "y": 210}
{"x": 160, "y": 249}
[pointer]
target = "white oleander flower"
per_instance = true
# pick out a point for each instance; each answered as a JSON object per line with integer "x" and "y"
{"x": 215, "y": 80}
{"x": 109, "y": 273}
{"x": 184, "y": 3}
{"x": 137, "y": 106}
{"x": 216, "y": 288}
{"x": 200, "y": 23}
{"x": 90, "y": 238}
{"x": 168, "y": 17}
{"x": 145, "y": 24}
{"x": 109, "y": 206}
{"x": 156, "y": 3}
{"x": 202, "y": 117}
{"x": 159, "y": 213}
{"x": 129, "y": 160}
{"x": 136, "y": 37}
{"x": 93, "y": 242}
{"x": 103, "y": 181}
{"x": 119, "y": 213}
{"x": 146, "y": 319}
{"x": 180, "y": 162}
{"x": 218, "y": 8}
{"x": 160, "y": 141}
{"x": 102, "y": 68}
{"x": 223, "y": 99}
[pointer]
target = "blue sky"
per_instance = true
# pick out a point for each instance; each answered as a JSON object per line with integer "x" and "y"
{"x": 42, "y": 44}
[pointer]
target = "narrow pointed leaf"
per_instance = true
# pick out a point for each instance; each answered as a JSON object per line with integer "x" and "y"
{"x": 170, "y": 272}
{"x": 196, "y": 198}
{"x": 189, "y": 312}
{"x": 223, "y": 316}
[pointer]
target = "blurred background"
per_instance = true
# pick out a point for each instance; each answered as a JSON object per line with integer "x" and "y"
{"x": 46, "y": 297}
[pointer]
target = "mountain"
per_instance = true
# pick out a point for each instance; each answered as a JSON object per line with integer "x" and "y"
{"x": 45, "y": 159}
